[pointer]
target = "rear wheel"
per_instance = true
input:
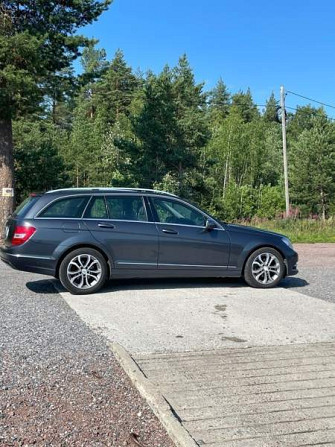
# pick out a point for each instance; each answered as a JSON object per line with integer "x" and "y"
{"x": 83, "y": 271}
{"x": 264, "y": 268}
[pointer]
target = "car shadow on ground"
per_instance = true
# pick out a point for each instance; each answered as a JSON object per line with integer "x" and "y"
{"x": 172, "y": 283}
{"x": 42, "y": 286}
{"x": 52, "y": 286}
{"x": 45, "y": 286}
{"x": 292, "y": 282}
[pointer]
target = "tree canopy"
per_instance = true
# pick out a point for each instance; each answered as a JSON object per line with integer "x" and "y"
{"x": 118, "y": 127}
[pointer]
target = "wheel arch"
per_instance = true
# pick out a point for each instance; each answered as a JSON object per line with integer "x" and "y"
{"x": 83, "y": 245}
{"x": 264, "y": 245}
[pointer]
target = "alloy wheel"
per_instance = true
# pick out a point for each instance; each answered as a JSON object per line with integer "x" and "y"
{"x": 84, "y": 271}
{"x": 265, "y": 268}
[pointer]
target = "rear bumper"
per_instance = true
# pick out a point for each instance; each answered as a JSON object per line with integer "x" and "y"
{"x": 28, "y": 263}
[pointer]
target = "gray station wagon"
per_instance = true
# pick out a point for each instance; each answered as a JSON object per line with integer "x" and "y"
{"x": 85, "y": 236}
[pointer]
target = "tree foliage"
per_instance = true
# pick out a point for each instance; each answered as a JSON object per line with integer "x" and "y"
{"x": 38, "y": 39}
{"x": 115, "y": 127}
{"x": 38, "y": 44}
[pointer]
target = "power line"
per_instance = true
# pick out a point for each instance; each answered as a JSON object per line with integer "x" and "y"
{"x": 310, "y": 99}
{"x": 310, "y": 112}
{"x": 300, "y": 109}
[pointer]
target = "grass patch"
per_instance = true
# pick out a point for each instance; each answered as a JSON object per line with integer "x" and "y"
{"x": 299, "y": 230}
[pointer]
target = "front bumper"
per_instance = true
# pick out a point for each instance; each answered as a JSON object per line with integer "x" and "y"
{"x": 28, "y": 263}
{"x": 291, "y": 263}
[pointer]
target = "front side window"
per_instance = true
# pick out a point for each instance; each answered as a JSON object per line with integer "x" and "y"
{"x": 69, "y": 207}
{"x": 126, "y": 208}
{"x": 170, "y": 211}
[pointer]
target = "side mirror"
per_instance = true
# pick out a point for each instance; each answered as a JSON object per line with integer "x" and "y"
{"x": 210, "y": 224}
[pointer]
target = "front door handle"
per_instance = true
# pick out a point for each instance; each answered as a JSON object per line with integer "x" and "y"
{"x": 106, "y": 225}
{"x": 169, "y": 231}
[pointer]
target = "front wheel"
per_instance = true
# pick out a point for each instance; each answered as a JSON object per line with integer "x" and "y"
{"x": 264, "y": 268}
{"x": 83, "y": 271}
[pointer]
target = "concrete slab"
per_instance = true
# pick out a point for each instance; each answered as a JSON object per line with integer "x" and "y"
{"x": 240, "y": 367}
{"x": 160, "y": 318}
{"x": 284, "y": 400}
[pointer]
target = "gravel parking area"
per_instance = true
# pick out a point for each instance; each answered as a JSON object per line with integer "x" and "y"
{"x": 60, "y": 384}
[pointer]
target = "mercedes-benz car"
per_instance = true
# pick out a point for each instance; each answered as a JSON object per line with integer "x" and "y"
{"x": 86, "y": 236}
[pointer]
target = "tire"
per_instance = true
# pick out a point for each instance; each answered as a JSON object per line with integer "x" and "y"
{"x": 83, "y": 271}
{"x": 264, "y": 268}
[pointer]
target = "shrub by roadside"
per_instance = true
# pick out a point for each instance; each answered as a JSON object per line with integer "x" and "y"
{"x": 298, "y": 230}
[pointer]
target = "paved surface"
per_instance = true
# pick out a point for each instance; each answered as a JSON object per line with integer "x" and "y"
{"x": 316, "y": 271}
{"x": 165, "y": 317}
{"x": 241, "y": 367}
{"x": 251, "y": 397}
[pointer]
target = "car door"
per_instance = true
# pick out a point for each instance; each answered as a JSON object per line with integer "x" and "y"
{"x": 120, "y": 223}
{"x": 184, "y": 242}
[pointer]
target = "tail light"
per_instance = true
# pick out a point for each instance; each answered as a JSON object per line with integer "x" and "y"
{"x": 22, "y": 234}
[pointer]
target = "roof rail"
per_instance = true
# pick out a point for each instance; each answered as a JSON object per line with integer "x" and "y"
{"x": 111, "y": 189}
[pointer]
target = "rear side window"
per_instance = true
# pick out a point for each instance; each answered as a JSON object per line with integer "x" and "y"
{"x": 96, "y": 209}
{"x": 126, "y": 208}
{"x": 25, "y": 206}
{"x": 70, "y": 207}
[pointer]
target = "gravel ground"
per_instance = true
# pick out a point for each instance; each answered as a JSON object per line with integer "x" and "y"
{"x": 59, "y": 383}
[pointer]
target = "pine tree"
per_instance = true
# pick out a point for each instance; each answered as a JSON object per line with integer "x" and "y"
{"x": 218, "y": 103}
{"x": 93, "y": 62}
{"x": 270, "y": 113}
{"x": 244, "y": 104}
{"x": 313, "y": 168}
{"x": 38, "y": 39}
{"x": 39, "y": 165}
{"x": 116, "y": 89}
{"x": 170, "y": 128}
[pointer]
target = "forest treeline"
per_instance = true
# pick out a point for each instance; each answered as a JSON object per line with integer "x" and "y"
{"x": 113, "y": 126}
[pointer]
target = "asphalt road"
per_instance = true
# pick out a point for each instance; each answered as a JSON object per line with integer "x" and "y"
{"x": 316, "y": 271}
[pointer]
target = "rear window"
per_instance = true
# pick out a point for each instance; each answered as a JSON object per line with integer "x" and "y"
{"x": 25, "y": 206}
{"x": 69, "y": 207}
{"x": 96, "y": 209}
{"x": 126, "y": 208}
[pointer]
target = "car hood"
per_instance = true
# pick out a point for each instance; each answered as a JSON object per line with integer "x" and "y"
{"x": 250, "y": 230}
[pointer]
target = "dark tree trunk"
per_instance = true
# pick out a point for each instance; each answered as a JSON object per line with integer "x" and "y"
{"x": 6, "y": 171}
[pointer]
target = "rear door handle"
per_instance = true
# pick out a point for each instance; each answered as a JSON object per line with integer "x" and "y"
{"x": 105, "y": 225}
{"x": 169, "y": 231}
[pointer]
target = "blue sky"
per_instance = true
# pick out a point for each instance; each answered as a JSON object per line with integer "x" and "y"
{"x": 258, "y": 44}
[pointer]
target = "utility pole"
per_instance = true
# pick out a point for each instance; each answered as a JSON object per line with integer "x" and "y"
{"x": 283, "y": 124}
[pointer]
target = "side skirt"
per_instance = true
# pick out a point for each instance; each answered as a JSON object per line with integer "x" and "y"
{"x": 174, "y": 273}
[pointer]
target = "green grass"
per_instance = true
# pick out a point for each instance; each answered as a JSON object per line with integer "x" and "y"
{"x": 299, "y": 230}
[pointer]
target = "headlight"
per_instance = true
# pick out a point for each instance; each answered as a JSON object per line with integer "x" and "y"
{"x": 287, "y": 242}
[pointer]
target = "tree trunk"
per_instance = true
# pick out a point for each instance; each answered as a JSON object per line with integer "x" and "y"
{"x": 6, "y": 172}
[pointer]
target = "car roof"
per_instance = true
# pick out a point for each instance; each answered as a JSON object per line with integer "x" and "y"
{"x": 109, "y": 190}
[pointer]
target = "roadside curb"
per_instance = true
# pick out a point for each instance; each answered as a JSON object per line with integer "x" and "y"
{"x": 154, "y": 398}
